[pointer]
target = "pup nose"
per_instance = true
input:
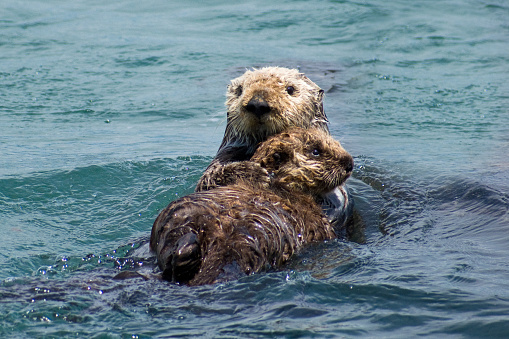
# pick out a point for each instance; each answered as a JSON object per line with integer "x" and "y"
{"x": 258, "y": 106}
{"x": 347, "y": 163}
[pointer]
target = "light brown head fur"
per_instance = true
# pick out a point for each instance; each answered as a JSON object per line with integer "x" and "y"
{"x": 267, "y": 101}
{"x": 310, "y": 161}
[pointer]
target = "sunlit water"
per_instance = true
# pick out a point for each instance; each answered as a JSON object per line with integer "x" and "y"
{"x": 110, "y": 111}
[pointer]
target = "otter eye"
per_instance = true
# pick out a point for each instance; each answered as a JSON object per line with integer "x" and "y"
{"x": 238, "y": 91}
{"x": 290, "y": 90}
{"x": 276, "y": 157}
{"x": 315, "y": 152}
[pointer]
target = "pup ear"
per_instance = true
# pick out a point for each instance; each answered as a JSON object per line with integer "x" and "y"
{"x": 274, "y": 157}
{"x": 278, "y": 158}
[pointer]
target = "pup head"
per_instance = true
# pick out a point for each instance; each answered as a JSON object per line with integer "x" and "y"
{"x": 310, "y": 161}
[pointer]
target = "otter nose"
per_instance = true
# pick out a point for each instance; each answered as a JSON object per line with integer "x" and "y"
{"x": 258, "y": 106}
{"x": 347, "y": 163}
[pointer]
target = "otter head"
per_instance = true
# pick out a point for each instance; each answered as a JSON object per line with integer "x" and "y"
{"x": 310, "y": 161}
{"x": 268, "y": 101}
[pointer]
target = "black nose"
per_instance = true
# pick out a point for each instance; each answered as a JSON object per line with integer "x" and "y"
{"x": 258, "y": 106}
{"x": 347, "y": 163}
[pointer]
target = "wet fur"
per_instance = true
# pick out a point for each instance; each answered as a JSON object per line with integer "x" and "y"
{"x": 259, "y": 220}
{"x": 302, "y": 107}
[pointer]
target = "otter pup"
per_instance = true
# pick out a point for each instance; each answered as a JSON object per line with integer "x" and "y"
{"x": 260, "y": 220}
{"x": 262, "y": 103}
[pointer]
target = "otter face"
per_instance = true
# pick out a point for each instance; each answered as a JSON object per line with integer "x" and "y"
{"x": 310, "y": 161}
{"x": 270, "y": 100}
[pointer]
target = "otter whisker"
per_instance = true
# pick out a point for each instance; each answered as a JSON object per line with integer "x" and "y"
{"x": 274, "y": 109}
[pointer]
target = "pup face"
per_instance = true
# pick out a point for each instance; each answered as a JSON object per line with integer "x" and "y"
{"x": 268, "y": 101}
{"x": 310, "y": 161}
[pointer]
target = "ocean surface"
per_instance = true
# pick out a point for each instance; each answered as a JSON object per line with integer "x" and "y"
{"x": 110, "y": 110}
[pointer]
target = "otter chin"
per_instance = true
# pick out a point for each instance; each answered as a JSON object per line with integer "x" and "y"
{"x": 258, "y": 220}
{"x": 264, "y": 102}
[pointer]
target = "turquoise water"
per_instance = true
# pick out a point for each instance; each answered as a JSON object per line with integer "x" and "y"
{"x": 111, "y": 110}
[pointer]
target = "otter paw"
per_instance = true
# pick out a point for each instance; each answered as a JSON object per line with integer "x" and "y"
{"x": 231, "y": 173}
{"x": 246, "y": 170}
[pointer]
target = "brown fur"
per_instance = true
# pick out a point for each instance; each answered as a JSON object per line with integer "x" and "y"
{"x": 261, "y": 103}
{"x": 260, "y": 220}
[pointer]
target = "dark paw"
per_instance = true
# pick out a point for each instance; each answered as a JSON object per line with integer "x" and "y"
{"x": 185, "y": 260}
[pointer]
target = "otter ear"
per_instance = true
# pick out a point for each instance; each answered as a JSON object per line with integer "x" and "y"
{"x": 274, "y": 160}
{"x": 319, "y": 97}
{"x": 281, "y": 157}
{"x": 320, "y": 115}
{"x": 235, "y": 88}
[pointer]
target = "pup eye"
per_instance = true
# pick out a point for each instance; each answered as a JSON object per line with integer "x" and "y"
{"x": 276, "y": 157}
{"x": 290, "y": 90}
{"x": 315, "y": 152}
{"x": 238, "y": 91}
